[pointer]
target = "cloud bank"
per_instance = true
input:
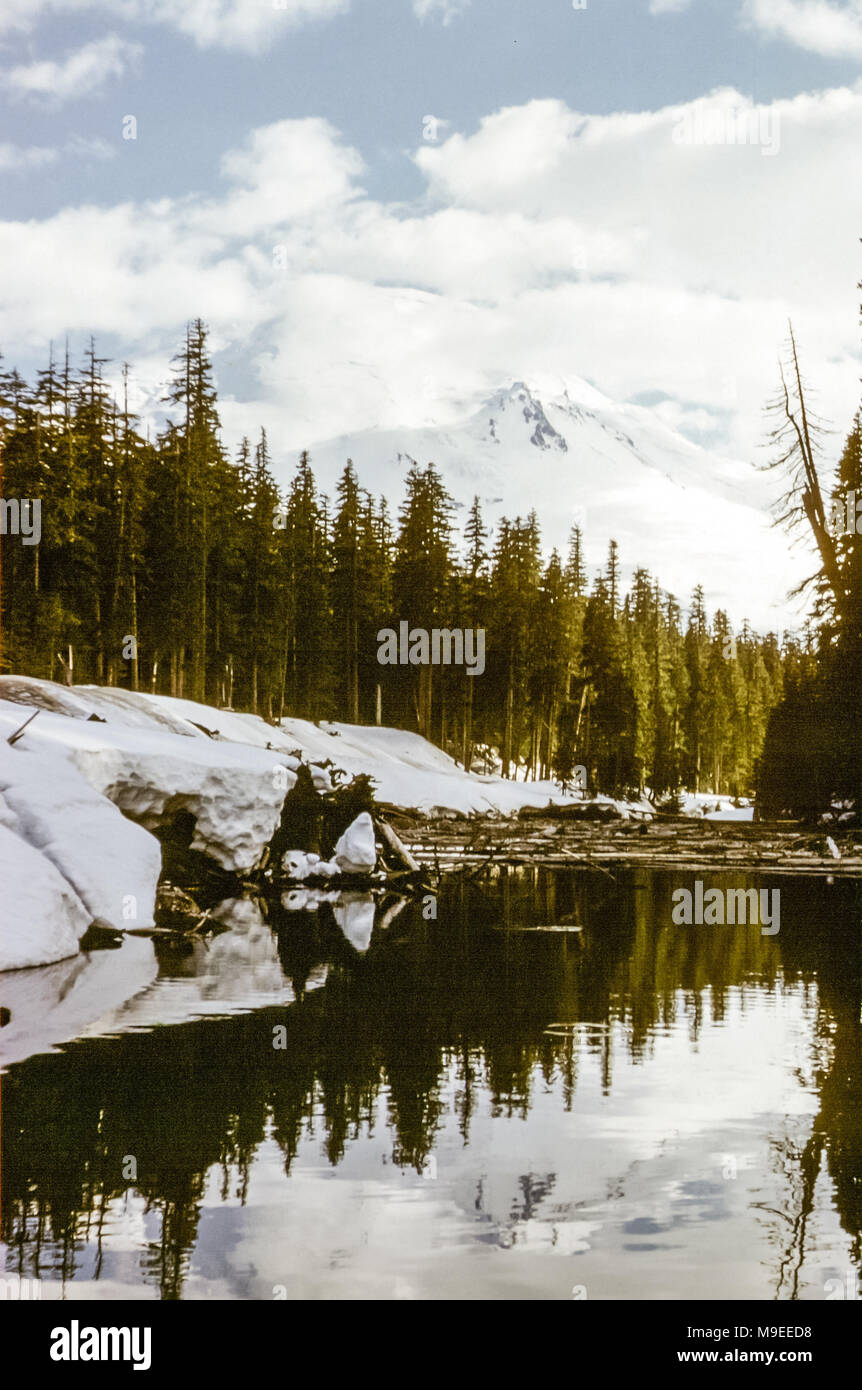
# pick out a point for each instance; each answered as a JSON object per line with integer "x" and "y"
{"x": 548, "y": 243}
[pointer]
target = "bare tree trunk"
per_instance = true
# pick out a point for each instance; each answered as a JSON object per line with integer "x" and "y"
{"x": 135, "y": 673}
{"x": 508, "y": 730}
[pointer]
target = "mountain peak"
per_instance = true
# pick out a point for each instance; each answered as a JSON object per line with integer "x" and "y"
{"x": 519, "y": 398}
{"x": 676, "y": 509}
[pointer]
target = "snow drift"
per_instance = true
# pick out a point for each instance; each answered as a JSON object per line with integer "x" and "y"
{"x": 43, "y": 918}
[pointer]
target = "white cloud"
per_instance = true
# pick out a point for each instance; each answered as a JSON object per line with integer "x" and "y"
{"x": 548, "y": 244}
{"x": 446, "y": 9}
{"x": 82, "y": 72}
{"x": 20, "y": 159}
{"x": 668, "y": 6}
{"x": 286, "y": 173}
{"x": 241, "y": 24}
{"x": 90, "y": 148}
{"x": 20, "y": 14}
{"x": 14, "y": 158}
{"x": 833, "y": 30}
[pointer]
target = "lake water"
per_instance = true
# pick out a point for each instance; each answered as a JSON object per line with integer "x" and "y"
{"x": 473, "y": 1107}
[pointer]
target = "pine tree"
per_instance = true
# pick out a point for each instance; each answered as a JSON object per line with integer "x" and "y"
{"x": 549, "y": 665}
{"x": 612, "y": 577}
{"x": 306, "y": 569}
{"x": 422, "y": 573}
{"x": 611, "y": 707}
{"x": 193, "y": 452}
{"x": 576, "y": 574}
{"x": 472, "y": 615}
{"x": 346, "y": 589}
{"x": 376, "y": 563}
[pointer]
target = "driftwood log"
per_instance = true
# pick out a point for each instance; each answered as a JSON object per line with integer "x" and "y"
{"x": 397, "y": 846}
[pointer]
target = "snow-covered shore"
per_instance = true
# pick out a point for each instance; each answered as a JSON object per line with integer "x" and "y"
{"x": 100, "y": 769}
{"x": 68, "y": 856}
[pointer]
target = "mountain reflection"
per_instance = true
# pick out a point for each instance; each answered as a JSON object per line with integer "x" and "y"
{"x": 436, "y": 1018}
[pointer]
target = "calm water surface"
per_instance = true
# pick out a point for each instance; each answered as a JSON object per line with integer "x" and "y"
{"x": 471, "y": 1107}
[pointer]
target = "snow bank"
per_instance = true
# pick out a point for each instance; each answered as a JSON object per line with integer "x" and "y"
{"x": 234, "y": 792}
{"x": 707, "y": 807}
{"x": 43, "y": 918}
{"x": 126, "y": 707}
{"x": 120, "y": 758}
{"x": 112, "y": 865}
{"x": 68, "y": 780}
{"x": 409, "y": 771}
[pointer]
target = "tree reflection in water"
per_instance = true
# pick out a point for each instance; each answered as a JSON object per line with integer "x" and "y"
{"x": 435, "y": 1017}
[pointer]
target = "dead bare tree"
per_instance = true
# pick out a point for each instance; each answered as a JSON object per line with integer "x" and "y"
{"x": 796, "y": 442}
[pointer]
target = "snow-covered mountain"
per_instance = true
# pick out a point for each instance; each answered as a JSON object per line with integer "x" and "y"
{"x": 618, "y": 471}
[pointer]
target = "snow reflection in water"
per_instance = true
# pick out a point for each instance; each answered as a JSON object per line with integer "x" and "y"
{"x": 465, "y": 1110}
{"x": 145, "y": 983}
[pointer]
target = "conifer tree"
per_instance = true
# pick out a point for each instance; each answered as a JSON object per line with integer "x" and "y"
{"x": 168, "y": 566}
{"x": 422, "y": 573}
{"x": 347, "y": 577}
{"x": 306, "y": 562}
{"x": 473, "y": 610}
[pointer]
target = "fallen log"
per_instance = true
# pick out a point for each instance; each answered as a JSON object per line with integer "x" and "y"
{"x": 397, "y": 846}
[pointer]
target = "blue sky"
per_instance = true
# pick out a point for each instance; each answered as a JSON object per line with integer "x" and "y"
{"x": 375, "y": 72}
{"x": 356, "y": 273}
